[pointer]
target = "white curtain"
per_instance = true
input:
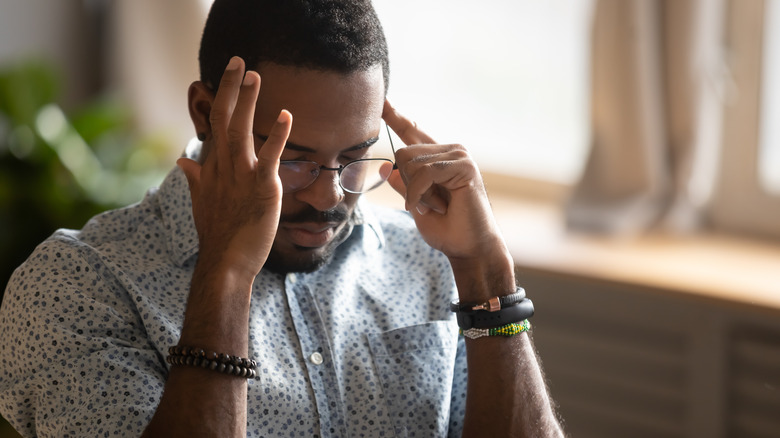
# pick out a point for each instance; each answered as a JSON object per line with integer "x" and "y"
{"x": 657, "y": 78}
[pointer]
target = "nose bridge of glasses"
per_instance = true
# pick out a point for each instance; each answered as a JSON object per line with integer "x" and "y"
{"x": 335, "y": 178}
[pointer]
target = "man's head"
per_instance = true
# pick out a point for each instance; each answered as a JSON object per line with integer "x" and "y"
{"x": 325, "y": 61}
{"x": 343, "y": 36}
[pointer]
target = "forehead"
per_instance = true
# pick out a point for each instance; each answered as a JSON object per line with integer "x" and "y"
{"x": 329, "y": 109}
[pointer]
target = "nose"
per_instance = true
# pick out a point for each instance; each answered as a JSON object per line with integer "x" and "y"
{"x": 324, "y": 193}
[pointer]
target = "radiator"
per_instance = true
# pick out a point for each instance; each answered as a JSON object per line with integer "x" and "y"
{"x": 629, "y": 361}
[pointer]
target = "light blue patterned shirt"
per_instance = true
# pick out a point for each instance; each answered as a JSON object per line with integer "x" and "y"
{"x": 365, "y": 346}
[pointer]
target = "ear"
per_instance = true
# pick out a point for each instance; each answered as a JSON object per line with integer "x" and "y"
{"x": 199, "y": 100}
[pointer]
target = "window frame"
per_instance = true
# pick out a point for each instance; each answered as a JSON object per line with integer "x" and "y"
{"x": 740, "y": 203}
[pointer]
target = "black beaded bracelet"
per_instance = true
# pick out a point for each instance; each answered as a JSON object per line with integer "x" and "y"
{"x": 222, "y": 363}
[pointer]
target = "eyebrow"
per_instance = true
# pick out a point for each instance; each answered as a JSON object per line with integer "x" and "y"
{"x": 296, "y": 147}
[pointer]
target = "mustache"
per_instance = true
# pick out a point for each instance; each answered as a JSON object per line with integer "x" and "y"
{"x": 310, "y": 214}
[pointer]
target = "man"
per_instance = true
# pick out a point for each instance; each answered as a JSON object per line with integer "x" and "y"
{"x": 259, "y": 249}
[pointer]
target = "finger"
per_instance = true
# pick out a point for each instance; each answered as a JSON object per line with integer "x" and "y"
{"x": 417, "y": 155}
{"x": 433, "y": 200}
{"x": 240, "y": 138}
{"x": 269, "y": 154}
{"x": 430, "y": 188}
{"x": 427, "y": 196}
{"x": 430, "y": 178}
{"x": 222, "y": 110}
{"x": 406, "y": 129}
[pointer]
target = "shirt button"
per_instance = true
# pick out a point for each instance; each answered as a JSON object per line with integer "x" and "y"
{"x": 316, "y": 358}
{"x": 292, "y": 278}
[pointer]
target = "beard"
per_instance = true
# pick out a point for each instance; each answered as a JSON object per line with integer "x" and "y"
{"x": 302, "y": 259}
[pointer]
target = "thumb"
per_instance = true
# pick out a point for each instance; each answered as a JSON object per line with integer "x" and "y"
{"x": 397, "y": 183}
{"x": 191, "y": 170}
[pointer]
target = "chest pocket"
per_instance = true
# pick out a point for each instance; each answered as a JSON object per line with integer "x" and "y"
{"x": 415, "y": 366}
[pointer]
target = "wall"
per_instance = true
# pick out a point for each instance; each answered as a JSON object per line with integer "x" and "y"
{"x": 625, "y": 360}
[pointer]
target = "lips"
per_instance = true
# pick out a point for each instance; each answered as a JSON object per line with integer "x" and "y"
{"x": 311, "y": 235}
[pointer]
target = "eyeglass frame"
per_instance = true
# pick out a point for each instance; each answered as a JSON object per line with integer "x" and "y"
{"x": 321, "y": 167}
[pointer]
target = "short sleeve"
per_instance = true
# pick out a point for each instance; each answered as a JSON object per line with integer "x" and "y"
{"x": 74, "y": 355}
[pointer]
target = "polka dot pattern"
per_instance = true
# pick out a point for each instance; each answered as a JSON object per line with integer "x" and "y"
{"x": 363, "y": 347}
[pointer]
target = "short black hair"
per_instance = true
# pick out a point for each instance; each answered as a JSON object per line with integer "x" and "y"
{"x": 329, "y": 35}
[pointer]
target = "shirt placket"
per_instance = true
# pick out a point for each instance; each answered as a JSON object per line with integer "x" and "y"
{"x": 317, "y": 353}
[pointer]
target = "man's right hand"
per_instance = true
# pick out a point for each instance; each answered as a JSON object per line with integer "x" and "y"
{"x": 236, "y": 203}
{"x": 236, "y": 192}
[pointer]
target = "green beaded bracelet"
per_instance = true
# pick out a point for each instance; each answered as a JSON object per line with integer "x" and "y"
{"x": 504, "y": 330}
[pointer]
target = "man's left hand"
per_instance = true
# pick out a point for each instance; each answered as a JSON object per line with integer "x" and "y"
{"x": 445, "y": 194}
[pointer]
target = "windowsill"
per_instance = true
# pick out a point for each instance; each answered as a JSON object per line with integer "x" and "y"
{"x": 704, "y": 265}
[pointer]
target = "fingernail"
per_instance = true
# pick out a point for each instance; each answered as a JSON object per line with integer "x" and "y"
{"x": 281, "y": 118}
{"x": 234, "y": 63}
{"x": 422, "y": 210}
{"x": 249, "y": 79}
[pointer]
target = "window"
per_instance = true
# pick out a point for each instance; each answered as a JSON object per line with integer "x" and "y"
{"x": 744, "y": 200}
{"x": 769, "y": 158}
{"x": 507, "y": 79}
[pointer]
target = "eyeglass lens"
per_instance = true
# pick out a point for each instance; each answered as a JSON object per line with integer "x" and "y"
{"x": 356, "y": 177}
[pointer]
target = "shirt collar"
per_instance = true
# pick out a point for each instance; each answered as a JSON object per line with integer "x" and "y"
{"x": 366, "y": 218}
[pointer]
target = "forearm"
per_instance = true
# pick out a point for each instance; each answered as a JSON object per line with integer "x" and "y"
{"x": 202, "y": 402}
{"x": 444, "y": 192}
{"x": 506, "y": 394}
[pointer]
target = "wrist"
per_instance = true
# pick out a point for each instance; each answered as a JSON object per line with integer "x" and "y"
{"x": 217, "y": 312}
{"x": 479, "y": 279}
{"x": 223, "y": 266}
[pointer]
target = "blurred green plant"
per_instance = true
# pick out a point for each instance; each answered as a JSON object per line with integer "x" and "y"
{"x": 57, "y": 169}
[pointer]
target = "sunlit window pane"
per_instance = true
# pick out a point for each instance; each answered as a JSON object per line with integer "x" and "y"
{"x": 508, "y": 79}
{"x": 769, "y": 155}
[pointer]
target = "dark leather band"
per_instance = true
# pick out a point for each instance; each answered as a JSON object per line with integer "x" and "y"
{"x": 483, "y": 319}
{"x": 505, "y": 301}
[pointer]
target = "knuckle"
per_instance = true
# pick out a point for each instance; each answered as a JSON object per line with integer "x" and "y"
{"x": 402, "y": 155}
{"x": 460, "y": 154}
{"x": 217, "y": 115}
{"x": 421, "y": 158}
{"x": 460, "y": 148}
{"x": 227, "y": 81}
{"x": 440, "y": 165}
{"x": 235, "y": 135}
{"x": 273, "y": 138}
{"x": 459, "y": 151}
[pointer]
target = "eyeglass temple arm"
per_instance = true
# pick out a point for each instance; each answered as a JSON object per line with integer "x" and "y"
{"x": 392, "y": 146}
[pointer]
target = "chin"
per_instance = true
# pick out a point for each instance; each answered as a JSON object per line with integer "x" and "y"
{"x": 287, "y": 257}
{"x": 303, "y": 260}
{"x": 299, "y": 259}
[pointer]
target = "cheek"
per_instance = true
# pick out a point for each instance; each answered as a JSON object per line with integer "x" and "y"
{"x": 350, "y": 200}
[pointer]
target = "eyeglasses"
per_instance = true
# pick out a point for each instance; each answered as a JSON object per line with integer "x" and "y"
{"x": 358, "y": 176}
